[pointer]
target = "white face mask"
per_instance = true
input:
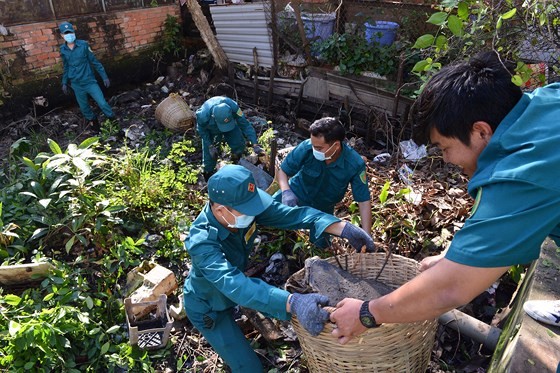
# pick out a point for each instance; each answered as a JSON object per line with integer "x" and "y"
{"x": 241, "y": 221}
{"x": 70, "y": 38}
{"x": 320, "y": 156}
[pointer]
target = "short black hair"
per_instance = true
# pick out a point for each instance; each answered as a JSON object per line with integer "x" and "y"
{"x": 462, "y": 94}
{"x": 331, "y": 129}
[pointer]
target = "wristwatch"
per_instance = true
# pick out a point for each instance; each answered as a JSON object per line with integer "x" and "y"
{"x": 366, "y": 318}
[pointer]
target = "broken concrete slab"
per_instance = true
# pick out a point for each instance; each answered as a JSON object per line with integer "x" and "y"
{"x": 159, "y": 280}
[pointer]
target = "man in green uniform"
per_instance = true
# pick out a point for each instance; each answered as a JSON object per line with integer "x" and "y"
{"x": 317, "y": 173}
{"x": 219, "y": 244}
{"x": 219, "y": 119}
{"x": 507, "y": 143}
{"x": 77, "y": 58}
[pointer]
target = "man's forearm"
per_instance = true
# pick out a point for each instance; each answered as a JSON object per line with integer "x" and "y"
{"x": 434, "y": 292}
{"x": 282, "y": 179}
{"x": 365, "y": 215}
{"x": 425, "y": 297}
{"x": 336, "y": 228}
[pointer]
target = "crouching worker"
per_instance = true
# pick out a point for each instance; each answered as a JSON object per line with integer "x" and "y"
{"x": 219, "y": 119}
{"x": 219, "y": 243}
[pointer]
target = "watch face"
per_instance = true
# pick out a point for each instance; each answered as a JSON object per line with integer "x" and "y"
{"x": 367, "y": 321}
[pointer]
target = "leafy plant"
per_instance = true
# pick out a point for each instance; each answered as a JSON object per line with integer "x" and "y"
{"x": 109, "y": 128}
{"x": 171, "y": 40}
{"x": 354, "y": 54}
{"x": 467, "y": 26}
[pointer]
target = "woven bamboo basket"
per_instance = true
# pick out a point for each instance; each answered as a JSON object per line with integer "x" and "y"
{"x": 174, "y": 113}
{"x": 397, "y": 348}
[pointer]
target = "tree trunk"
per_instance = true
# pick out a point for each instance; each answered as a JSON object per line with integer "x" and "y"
{"x": 207, "y": 35}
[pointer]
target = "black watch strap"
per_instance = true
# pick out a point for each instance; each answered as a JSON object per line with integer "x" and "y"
{"x": 366, "y": 318}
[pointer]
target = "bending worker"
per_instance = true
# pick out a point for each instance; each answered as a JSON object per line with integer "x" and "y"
{"x": 317, "y": 173}
{"x": 218, "y": 119}
{"x": 507, "y": 143}
{"x": 219, "y": 243}
{"x": 77, "y": 58}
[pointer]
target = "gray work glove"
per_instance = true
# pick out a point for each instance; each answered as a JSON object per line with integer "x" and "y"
{"x": 213, "y": 152}
{"x": 65, "y": 89}
{"x": 258, "y": 150}
{"x": 106, "y": 82}
{"x": 289, "y": 198}
{"x": 358, "y": 238}
{"x": 307, "y": 309}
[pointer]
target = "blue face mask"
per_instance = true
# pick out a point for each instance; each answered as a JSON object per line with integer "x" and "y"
{"x": 241, "y": 221}
{"x": 70, "y": 38}
{"x": 320, "y": 156}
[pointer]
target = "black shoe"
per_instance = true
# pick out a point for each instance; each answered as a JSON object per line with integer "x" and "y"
{"x": 93, "y": 124}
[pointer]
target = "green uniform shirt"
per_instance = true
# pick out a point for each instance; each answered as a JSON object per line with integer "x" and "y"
{"x": 517, "y": 187}
{"x": 320, "y": 185}
{"x": 219, "y": 257}
{"x": 77, "y": 64}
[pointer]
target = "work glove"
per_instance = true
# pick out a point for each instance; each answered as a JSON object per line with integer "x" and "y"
{"x": 65, "y": 89}
{"x": 289, "y": 198}
{"x": 213, "y": 152}
{"x": 358, "y": 238}
{"x": 106, "y": 82}
{"x": 306, "y": 307}
{"x": 258, "y": 150}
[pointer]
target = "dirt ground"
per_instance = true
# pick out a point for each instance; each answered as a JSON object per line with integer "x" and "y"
{"x": 439, "y": 211}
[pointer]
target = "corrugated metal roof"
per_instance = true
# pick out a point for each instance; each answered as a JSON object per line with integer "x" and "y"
{"x": 240, "y": 28}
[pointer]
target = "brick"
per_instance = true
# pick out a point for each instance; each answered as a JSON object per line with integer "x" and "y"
{"x": 41, "y": 38}
{"x": 10, "y": 57}
{"x": 43, "y": 57}
{"x": 37, "y": 65}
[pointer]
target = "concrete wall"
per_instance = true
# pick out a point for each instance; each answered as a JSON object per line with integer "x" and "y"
{"x": 29, "y": 54}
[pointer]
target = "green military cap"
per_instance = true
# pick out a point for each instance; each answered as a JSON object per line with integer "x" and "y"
{"x": 65, "y": 27}
{"x": 234, "y": 186}
{"x": 222, "y": 114}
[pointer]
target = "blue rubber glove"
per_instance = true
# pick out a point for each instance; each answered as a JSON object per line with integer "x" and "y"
{"x": 65, "y": 89}
{"x": 258, "y": 150}
{"x": 307, "y": 309}
{"x": 106, "y": 82}
{"x": 289, "y": 198}
{"x": 358, "y": 238}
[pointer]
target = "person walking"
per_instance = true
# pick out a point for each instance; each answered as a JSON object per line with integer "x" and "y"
{"x": 77, "y": 60}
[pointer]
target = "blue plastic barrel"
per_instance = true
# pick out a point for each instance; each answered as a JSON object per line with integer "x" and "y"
{"x": 318, "y": 25}
{"x": 382, "y": 32}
